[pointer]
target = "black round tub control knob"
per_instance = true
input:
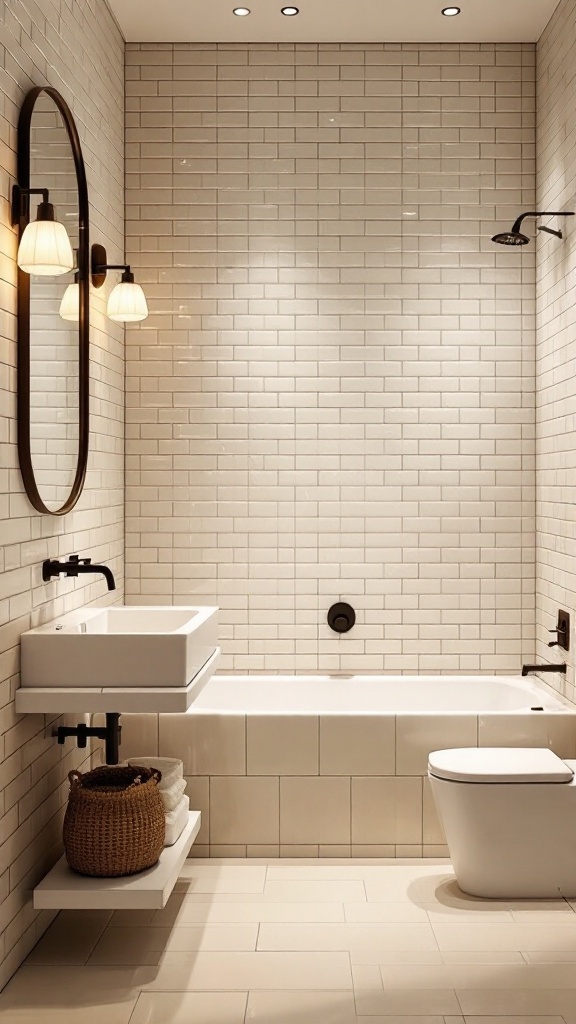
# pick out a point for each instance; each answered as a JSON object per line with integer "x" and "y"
{"x": 341, "y": 617}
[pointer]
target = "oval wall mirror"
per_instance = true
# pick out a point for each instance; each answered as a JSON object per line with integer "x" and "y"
{"x": 53, "y": 311}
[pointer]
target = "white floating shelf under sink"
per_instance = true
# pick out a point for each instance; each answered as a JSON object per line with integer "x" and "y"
{"x": 124, "y": 700}
{"x": 120, "y": 647}
{"x": 63, "y": 889}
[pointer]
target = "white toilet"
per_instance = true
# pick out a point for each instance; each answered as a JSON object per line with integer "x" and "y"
{"x": 509, "y": 814}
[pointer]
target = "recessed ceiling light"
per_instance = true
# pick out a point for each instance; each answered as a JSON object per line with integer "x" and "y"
{"x": 450, "y": 12}
{"x": 290, "y": 11}
{"x": 241, "y": 11}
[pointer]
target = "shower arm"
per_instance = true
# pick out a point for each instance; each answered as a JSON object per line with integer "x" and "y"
{"x": 539, "y": 213}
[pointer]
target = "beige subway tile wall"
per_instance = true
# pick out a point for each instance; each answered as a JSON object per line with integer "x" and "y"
{"x": 556, "y": 349}
{"x": 77, "y": 48}
{"x": 333, "y": 396}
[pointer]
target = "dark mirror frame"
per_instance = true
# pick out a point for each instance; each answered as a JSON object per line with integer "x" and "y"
{"x": 23, "y": 397}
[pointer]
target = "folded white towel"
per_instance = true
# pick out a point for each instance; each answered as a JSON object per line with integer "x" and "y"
{"x": 176, "y": 821}
{"x": 172, "y": 784}
{"x": 171, "y": 797}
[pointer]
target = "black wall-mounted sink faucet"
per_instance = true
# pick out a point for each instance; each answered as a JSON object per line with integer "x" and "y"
{"x": 74, "y": 567}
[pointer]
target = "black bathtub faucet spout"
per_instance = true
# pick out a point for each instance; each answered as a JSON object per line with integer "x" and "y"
{"x": 526, "y": 669}
{"x": 74, "y": 567}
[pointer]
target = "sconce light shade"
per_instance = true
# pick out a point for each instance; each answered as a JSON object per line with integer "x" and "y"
{"x": 45, "y": 249}
{"x": 127, "y": 303}
{"x": 70, "y": 305}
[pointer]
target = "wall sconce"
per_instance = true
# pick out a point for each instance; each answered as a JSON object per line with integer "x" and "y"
{"x": 45, "y": 247}
{"x": 70, "y": 305}
{"x": 127, "y": 302}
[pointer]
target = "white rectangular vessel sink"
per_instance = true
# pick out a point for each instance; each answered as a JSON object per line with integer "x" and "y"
{"x": 120, "y": 647}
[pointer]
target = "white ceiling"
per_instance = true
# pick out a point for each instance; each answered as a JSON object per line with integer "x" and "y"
{"x": 364, "y": 21}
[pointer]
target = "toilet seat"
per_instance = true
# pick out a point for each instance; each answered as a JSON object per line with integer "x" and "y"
{"x": 499, "y": 765}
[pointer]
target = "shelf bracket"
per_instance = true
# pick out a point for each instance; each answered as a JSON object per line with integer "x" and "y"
{"x": 110, "y": 733}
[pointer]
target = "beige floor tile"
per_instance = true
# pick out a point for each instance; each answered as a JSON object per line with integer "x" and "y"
{"x": 383, "y": 913}
{"x": 417, "y": 885}
{"x": 352, "y": 892}
{"x": 366, "y": 977}
{"x": 514, "y": 1020}
{"x": 506, "y": 936}
{"x": 437, "y": 885}
{"x": 486, "y": 957}
{"x": 550, "y": 957}
{"x": 366, "y": 939}
{"x": 462, "y": 975}
{"x": 545, "y": 914}
{"x": 401, "y": 956}
{"x": 401, "y": 1002}
{"x": 130, "y": 918}
{"x": 464, "y": 913}
{"x": 132, "y": 946}
{"x": 71, "y": 938}
{"x": 526, "y": 1004}
{"x": 411, "y": 1018}
{"x": 300, "y": 1008}
{"x": 496, "y": 962}
{"x": 244, "y": 971}
{"x": 316, "y": 872}
{"x": 68, "y": 995}
{"x": 184, "y": 1007}
{"x": 222, "y": 878}
{"x": 187, "y": 911}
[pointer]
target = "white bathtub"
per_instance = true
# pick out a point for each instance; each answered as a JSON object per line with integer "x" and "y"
{"x": 377, "y": 695}
{"x": 337, "y": 765}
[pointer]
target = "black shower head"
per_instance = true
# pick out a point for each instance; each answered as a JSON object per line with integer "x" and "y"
{"x": 511, "y": 238}
{"x": 515, "y": 236}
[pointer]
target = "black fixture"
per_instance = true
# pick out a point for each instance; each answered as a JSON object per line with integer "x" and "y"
{"x": 99, "y": 267}
{"x": 341, "y": 617}
{"x": 45, "y": 210}
{"x": 75, "y": 566}
{"x": 562, "y": 632}
{"x": 550, "y": 231}
{"x": 515, "y": 236}
{"x": 110, "y": 733}
{"x": 526, "y": 669}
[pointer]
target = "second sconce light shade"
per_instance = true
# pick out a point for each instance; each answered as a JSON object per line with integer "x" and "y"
{"x": 127, "y": 302}
{"x": 70, "y": 305}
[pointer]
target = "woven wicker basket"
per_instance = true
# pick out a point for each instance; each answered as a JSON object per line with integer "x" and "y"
{"x": 114, "y": 823}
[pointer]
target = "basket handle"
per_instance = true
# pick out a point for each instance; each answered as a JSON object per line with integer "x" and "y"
{"x": 74, "y": 778}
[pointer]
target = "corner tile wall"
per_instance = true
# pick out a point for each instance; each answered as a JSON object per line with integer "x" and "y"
{"x": 556, "y": 341}
{"x": 334, "y": 395}
{"x": 77, "y": 48}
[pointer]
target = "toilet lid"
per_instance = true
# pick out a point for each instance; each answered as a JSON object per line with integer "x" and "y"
{"x": 499, "y": 764}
